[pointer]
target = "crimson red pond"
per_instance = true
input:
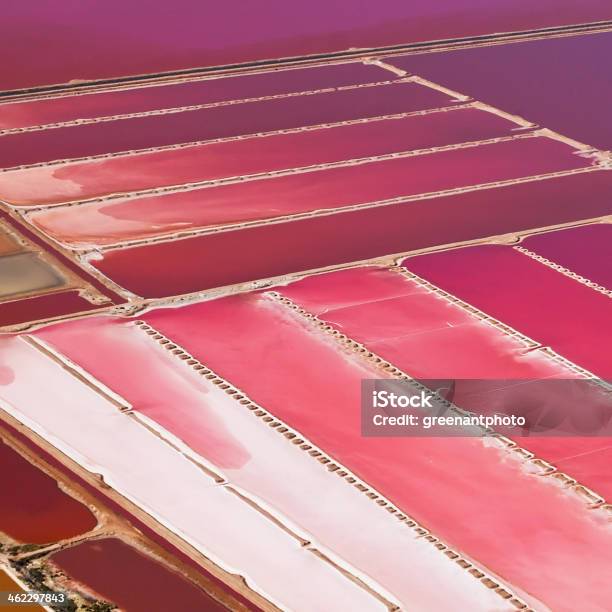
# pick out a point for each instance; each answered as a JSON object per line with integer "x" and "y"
{"x": 585, "y": 250}
{"x": 85, "y": 41}
{"x": 213, "y": 90}
{"x": 182, "y": 126}
{"x": 217, "y": 160}
{"x": 38, "y": 511}
{"x": 123, "y": 219}
{"x": 43, "y": 307}
{"x": 268, "y": 351}
{"x": 121, "y": 574}
{"x": 551, "y": 308}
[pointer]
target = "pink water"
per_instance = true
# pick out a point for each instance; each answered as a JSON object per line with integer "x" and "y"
{"x": 585, "y": 250}
{"x": 261, "y": 347}
{"x": 281, "y": 248}
{"x": 96, "y": 178}
{"x": 551, "y": 308}
{"x": 124, "y": 219}
{"x": 217, "y": 122}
